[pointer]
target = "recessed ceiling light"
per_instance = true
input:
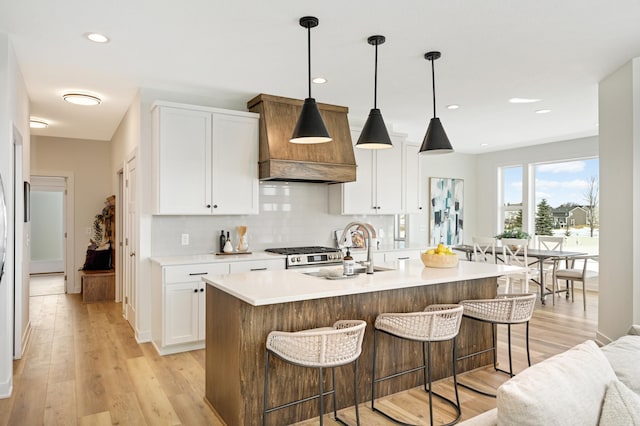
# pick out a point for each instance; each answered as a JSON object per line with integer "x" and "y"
{"x": 523, "y": 100}
{"x": 97, "y": 37}
{"x": 319, "y": 80}
{"x": 38, "y": 124}
{"x": 543, "y": 111}
{"x": 484, "y": 144}
{"x": 453, "y": 106}
{"x": 81, "y": 99}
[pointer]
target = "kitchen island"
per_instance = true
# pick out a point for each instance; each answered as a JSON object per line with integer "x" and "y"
{"x": 241, "y": 309}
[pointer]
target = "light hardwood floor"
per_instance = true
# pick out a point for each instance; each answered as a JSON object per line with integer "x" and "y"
{"x": 83, "y": 367}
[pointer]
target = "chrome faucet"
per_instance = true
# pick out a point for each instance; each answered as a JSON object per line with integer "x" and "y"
{"x": 371, "y": 233}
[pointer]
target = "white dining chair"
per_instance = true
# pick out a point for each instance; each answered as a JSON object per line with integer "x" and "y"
{"x": 551, "y": 244}
{"x": 514, "y": 252}
{"x": 484, "y": 249}
{"x": 572, "y": 274}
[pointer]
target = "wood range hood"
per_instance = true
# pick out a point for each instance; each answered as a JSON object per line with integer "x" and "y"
{"x": 279, "y": 159}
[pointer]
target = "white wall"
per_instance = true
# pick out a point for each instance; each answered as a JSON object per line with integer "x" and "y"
{"x": 619, "y": 106}
{"x": 459, "y": 166}
{"x": 14, "y": 112}
{"x": 89, "y": 162}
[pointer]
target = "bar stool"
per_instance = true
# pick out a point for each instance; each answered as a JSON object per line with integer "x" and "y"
{"x": 436, "y": 323}
{"x": 320, "y": 348}
{"x": 505, "y": 309}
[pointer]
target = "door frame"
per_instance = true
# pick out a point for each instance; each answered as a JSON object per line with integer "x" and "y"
{"x": 130, "y": 278}
{"x": 70, "y": 274}
{"x": 53, "y": 184}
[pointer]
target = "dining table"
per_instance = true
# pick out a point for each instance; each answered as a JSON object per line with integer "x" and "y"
{"x": 540, "y": 257}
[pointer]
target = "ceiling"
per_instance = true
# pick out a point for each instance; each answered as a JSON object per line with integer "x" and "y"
{"x": 229, "y": 51}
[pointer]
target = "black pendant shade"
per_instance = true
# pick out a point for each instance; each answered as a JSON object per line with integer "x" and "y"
{"x": 435, "y": 140}
{"x": 374, "y": 134}
{"x": 310, "y": 127}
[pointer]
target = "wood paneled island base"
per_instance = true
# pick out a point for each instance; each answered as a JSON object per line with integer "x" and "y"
{"x": 235, "y": 348}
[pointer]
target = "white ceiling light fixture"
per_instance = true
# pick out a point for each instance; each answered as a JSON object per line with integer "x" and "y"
{"x": 319, "y": 80}
{"x": 38, "y": 124}
{"x": 543, "y": 111}
{"x": 453, "y": 106}
{"x": 97, "y": 37}
{"x": 523, "y": 100}
{"x": 81, "y": 99}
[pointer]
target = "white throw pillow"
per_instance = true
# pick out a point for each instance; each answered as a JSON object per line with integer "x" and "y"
{"x": 566, "y": 389}
{"x": 621, "y": 406}
{"x": 624, "y": 356}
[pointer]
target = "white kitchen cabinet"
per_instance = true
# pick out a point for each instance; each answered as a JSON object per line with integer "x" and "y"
{"x": 179, "y": 305}
{"x": 378, "y": 185}
{"x": 205, "y": 160}
{"x": 413, "y": 191}
{"x": 408, "y": 254}
{"x": 257, "y": 265}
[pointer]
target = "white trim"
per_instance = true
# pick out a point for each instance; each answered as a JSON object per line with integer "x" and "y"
{"x": 72, "y": 284}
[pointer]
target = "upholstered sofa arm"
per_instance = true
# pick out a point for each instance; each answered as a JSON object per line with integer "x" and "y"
{"x": 488, "y": 418}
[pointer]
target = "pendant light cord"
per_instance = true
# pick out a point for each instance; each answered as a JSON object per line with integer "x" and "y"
{"x": 375, "y": 82}
{"x": 433, "y": 86}
{"x": 309, "y": 57}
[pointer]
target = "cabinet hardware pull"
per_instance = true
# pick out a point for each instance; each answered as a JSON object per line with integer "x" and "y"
{"x": 208, "y": 206}
{"x": 403, "y": 258}
{"x": 202, "y": 289}
{"x": 215, "y": 206}
{"x": 258, "y": 269}
{"x": 195, "y": 290}
{"x": 198, "y": 273}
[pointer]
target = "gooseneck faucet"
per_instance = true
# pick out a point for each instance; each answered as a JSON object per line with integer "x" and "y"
{"x": 371, "y": 233}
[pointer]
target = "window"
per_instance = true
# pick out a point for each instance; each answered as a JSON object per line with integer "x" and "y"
{"x": 565, "y": 201}
{"x": 511, "y": 199}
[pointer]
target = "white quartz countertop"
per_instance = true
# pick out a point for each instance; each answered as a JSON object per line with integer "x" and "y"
{"x": 212, "y": 258}
{"x": 290, "y": 285}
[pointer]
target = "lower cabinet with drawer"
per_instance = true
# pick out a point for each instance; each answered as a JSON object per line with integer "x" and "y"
{"x": 178, "y": 298}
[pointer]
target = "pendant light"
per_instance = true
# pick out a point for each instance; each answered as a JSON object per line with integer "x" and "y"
{"x": 374, "y": 134}
{"x": 310, "y": 128}
{"x": 436, "y": 140}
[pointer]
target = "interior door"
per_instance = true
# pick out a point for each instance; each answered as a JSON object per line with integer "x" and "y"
{"x": 130, "y": 241}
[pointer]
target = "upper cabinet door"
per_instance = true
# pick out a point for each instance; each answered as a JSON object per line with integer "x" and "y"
{"x": 235, "y": 164}
{"x": 388, "y": 176}
{"x": 205, "y": 160}
{"x": 183, "y": 146}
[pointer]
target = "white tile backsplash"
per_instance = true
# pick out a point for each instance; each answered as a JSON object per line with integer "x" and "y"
{"x": 291, "y": 214}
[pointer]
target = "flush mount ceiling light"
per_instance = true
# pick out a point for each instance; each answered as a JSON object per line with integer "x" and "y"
{"x": 453, "y": 106}
{"x": 38, "y": 124}
{"x": 436, "y": 140}
{"x": 81, "y": 99}
{"x": 543, "y": 111}
{"x": 310, "y": 128}
{"x": 97, "y": 37}
{"x": 319, "y": 80}
{"x": 523, "y": 100}
{"x": 374, "y": 134}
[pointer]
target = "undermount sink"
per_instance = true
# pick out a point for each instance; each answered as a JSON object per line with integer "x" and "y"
{"x": 358, "y": 269}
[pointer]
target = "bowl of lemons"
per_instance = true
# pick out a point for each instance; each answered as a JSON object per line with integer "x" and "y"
{"x": 440, "y": 257}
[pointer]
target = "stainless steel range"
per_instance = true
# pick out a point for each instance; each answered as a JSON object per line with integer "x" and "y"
{"x": 298, "y": 257}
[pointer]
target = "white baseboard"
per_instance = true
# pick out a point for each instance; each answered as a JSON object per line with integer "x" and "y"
{"x": 143, "y": 336}
{"x": 6, "y": 388}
